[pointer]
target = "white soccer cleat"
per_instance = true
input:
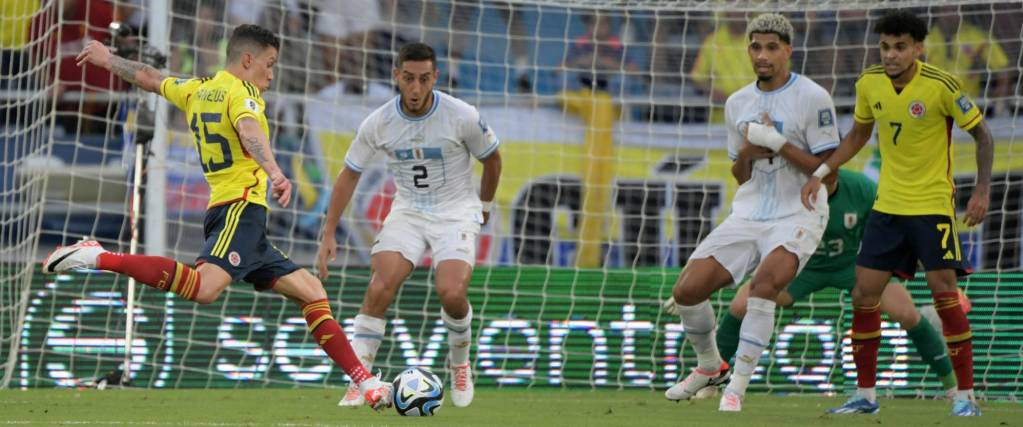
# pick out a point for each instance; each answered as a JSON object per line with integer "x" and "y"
{"x": 377, "y": 394}
{"x": 697, "y": 381}
{"x": 730, "y": 402}
{"x": 353, "y": 397}
{"x": 79, "y": 255}
{"x": 461, "y": 387}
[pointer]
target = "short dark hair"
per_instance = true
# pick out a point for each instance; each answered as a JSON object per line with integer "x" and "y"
{"x": 250, "y": 35}
{"x": 902, "y": 21}
{"x": 416, "y": 51}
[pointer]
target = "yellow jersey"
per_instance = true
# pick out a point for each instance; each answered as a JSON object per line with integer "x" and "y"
{"x": 213, "y": 106}
{"x": 915, "y": 137}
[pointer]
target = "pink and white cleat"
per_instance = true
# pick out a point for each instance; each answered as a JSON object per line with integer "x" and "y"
{"x": 730, "y": 402}
{"x": 353, "y": 397}
{"x": 79, "y": 255}
{"x": 462, "y": 389}
{"x": 377, "y": 394}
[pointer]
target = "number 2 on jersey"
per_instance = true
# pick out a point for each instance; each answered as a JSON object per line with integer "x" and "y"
{"x": 208, "y": 165}
{"x": 898, "y": 129}
{"x": 420, "y": 174}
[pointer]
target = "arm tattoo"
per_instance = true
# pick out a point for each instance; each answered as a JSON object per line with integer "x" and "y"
{"x": 126, "y": 69}
{"x": 256, "y": 150}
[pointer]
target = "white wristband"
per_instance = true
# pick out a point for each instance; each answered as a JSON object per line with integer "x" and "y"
{"x": 488, "y": 206}
{"x": 765, "y": 136}
{"x": 822, "y": 171}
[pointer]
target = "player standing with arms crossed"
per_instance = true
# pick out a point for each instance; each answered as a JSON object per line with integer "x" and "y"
{"x": 429, "y": 139}
{"x": 232, "y": 136}
{"x": 788, "y": 122}
{"x": 913, "y": 219}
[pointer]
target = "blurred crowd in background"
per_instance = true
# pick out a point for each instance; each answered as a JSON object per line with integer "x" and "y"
{"x": 668, "y": 66}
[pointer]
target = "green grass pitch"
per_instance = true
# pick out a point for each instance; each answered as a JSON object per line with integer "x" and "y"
{"x": 492, "y": 407}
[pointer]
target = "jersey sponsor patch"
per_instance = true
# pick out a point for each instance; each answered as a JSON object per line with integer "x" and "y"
{"x": 252, "y": 105}
{"x": 964, "y": 104}
{"x": 824, "y": 118}
{"x": 917, "y": 109}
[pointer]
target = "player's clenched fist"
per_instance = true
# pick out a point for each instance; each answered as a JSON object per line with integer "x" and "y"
{"x": 95, "y": 53}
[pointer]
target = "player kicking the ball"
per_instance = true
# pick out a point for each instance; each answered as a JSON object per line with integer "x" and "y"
{"x": 913, "y": 218}
{"x": 226, "y": 113}
{"x": 429, "y": 139}
{"x": 778, "y": 126}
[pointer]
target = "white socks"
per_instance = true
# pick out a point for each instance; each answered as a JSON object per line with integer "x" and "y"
{"x": 369, "y": 332}
{"x": 867, "y": 393}
{"x": 699, "y": 322}
{"x": 755, "y": 333}
{"x": 459, "y": 337}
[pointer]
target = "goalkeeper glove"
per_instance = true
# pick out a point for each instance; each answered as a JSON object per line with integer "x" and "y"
{"x": 765, "y": 136}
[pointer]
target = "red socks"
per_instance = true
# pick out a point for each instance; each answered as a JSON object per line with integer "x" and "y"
{"x": 958, "y": 336}
{"x": 866, "y": 337}
{"x": 159, "y": 272}
{"x": 329, "y": 335}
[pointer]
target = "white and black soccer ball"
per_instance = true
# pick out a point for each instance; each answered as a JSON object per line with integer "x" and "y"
{"x": 417, "y": 392}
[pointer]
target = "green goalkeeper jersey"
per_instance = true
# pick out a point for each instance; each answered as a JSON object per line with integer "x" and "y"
{"x": 849, "y": 206}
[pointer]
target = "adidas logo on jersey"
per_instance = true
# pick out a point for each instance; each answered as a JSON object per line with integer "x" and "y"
{"x": 948, "y": 256}
{"x": 877, "y": 106}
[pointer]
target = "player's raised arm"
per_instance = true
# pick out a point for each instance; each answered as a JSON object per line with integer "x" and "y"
{"x": 977, "y": 207}
{"x": 258, "y": 146}
{"x": 138, "y": 74}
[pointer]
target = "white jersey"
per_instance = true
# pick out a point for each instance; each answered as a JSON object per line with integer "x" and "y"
{"x": 804, "y": 113}
{"x": 429, "y": 156}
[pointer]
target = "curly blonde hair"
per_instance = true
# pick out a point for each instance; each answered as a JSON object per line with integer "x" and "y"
{"x": 771, "y": 23}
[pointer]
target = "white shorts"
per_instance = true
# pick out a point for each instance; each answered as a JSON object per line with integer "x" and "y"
{"x": 410, "y": 234}
{"x": 738, "y": 244}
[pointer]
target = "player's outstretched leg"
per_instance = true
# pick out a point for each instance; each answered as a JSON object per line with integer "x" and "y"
{"x": 452, "y": 287}
{"x": 369, "y": 332}
{"x": 303, "y": 288}
{"x": 154, "y": 271}
{"x": 700, "y": 278}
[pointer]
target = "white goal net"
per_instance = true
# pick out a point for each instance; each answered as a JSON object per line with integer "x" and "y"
{"x": 615, "y": 167}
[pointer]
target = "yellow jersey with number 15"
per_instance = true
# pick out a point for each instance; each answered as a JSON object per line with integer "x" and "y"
{"x": 915, "y": 137}
{"x": 213, "y": 106}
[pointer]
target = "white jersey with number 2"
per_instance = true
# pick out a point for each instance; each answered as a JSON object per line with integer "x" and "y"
{"x": 430, "y": 157}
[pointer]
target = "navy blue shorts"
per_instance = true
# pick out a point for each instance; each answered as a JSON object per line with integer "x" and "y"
{"x": 896, "y": 242}
{"x": 236, "y": 241}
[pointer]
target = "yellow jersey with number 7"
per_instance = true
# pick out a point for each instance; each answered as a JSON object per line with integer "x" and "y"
{"x": 914, "y": 132}
{"x": 213, "y": 106}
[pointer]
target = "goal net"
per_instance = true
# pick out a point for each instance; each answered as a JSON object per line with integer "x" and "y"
{"x": 615, "y": 167}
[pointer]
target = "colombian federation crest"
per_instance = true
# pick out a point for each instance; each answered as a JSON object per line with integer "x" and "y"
{"x": 850, "y": 220}
{"x": 917, "y": 109}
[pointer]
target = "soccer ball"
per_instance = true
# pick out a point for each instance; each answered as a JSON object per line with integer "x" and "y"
{"x": 417, "y": 392}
